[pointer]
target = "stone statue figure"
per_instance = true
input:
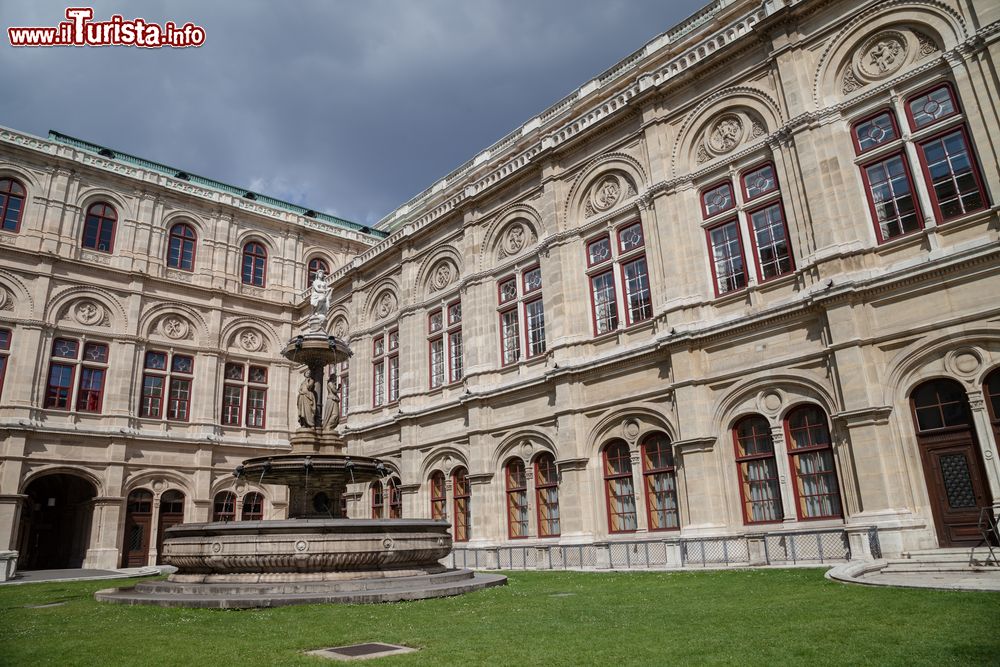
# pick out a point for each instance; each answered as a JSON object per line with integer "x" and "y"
{"x": 307, "y": 401}
{"x": 331, "y": 409}
{"x": 319, "y": 298}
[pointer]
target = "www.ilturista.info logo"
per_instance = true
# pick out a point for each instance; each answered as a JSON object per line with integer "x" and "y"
{"x": 80, "y": 30}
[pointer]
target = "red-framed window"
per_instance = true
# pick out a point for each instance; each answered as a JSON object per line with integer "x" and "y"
{"x": 875, "y": 130}
{"x": 378, "y": 499}
{"x": 939, "y": 405}
{"x": 517, "y": 499}
{"x": 759, "y": 487}
{"x": 444, "y": 343}
{"x": 99, "y": 227}
{"x": 619, "y": 278}
{"x": 619, "y": 488}
{"x": 932, "y": 105}
{"x": 254, "y": 264}
{"x": 891, "y": 198}
{"x": 166, "y": 375}
{"x": 345, "y": 388}
{"x": 439, "y": 498}
{"x": 810, "y": 455}
{"x": 241, "y": 379}
{"x": 224, "y": 506}
{"x": 462, "y": 501}
{"x": 87, "y": 364}
{"x": 519, "y": 299}
{"x": 5, "y": 338}
{"x": 181, "y": 247}
{"x": 316, "y": 264}
{"x": 385, "y": 368}
{"x": 253, "y": 507}
{"x": 11, "y": 204}
{"x": 991, "y": 390}
{"x": 758, "y": 206}
{"x": 951, "y": 174}
{"x": 395, "y": 498}
{"x": 660, "y": 476}
{"x": 726, "y": 249}
{"x": 547, "y": 495}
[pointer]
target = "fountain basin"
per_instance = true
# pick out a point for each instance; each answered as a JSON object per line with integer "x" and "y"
{"x": 305, "y": 549}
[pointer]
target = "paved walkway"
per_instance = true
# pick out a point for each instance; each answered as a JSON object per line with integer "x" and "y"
{"x": 35, "y": 576}
{"x": 943, "y": 569}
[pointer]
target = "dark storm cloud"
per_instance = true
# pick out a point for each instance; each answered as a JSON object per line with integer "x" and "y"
{"x": 349, "y": 107}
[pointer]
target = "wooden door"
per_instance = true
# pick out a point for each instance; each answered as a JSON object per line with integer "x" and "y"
{"x": 138, "y": 521}
{"x": 956, "y": 485}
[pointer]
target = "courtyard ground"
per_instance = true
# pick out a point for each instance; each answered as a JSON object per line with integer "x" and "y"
{"x": 746, "y": 617}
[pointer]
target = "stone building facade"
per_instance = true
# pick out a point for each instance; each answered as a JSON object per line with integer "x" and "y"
{"x": 744, "y": 282}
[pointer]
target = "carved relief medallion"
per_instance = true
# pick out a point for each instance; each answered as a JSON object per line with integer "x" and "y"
{"x": 386, "y": 305}
{"x": 882, "y": 55}
{"x": 606, "y": 193}
{"x": 174, "y": 327}
{"x": 340, "y": 328}
{"x": 6, "y": 302}
{"x": 513, "y": 241}
{"x": 251, "y": 341}
{"x": 442, "y": 276}
{"x": 726, "y": 134}
{"x": 88, "y": 313}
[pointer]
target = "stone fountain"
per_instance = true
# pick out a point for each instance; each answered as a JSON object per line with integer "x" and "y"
{"x": 317, "y": 554}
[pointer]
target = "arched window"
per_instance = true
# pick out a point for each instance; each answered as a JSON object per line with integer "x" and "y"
{"x": 661, "y": 483}
{"x": 172, "y": 502}
{"x": 224, "y": 507}
{"x": 180, "y": 249}
{"x": 99, "y": 227}
{"x": 758, "y": 471}
{"x": 517, "y": 499}
{"x": 11, "y": 204}
{"x": 253, "y": 507}
{"x": 940, "y": 404}
{"x": 547, "y": 495}
{"x": 811, "y": 456}
{"x": 991, "y": 388}
{"x": 439, "y": 501}
{"x": 395, "y": 499}
{"x": 254, "y": 264}
{"x": 619, "y": 488}
{"x": 316, "y": 264}
{"x": 378, "y": 499}
{"x": 462, "y": 498}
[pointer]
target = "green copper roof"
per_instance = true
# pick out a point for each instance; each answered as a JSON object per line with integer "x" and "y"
{"x": 113, "y": 154}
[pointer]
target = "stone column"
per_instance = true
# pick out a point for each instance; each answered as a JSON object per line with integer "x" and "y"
{"x": 572, "y": 494}
{"x": 105, "y": 529}
{"x": 786, "y": 478}
{"x": 639, "y": 491}
{"x": 412, "y": 507}
{"x": 871, "y": 447}
{"x": 698, "y": 480}
{"x": 482, "y": 508}
{"x": 987, "y": 447}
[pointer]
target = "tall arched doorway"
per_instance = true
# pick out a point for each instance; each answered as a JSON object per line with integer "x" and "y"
{"x": 171, "y": 514}
{"x": 55, "y": 523}
{"x": 956, "y": 481}
{"x": 138, "y": 524}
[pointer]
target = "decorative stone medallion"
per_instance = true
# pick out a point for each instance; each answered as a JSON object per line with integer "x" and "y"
{"x": 882, "y": 55}
{"x": 387, "y": 543}
{"x": 771, "y": 401}
{"x": 725, "y": 134}
{"x": 606, "y": 193}
{"x": 251, "y": 341}
{"x": 88, "y": 313}
{"x": 513, "y": 241}
{"x": 340, "y": 328}
{"x": 630, "y": 429}
{"x": 386, "y": 305}
{"x": 301, "y": 546}
{"x": 442, "y": 277}
{"x": 5, "y": 300}
{"x": 174, "y": 327}
{"x": 966, "y": 361}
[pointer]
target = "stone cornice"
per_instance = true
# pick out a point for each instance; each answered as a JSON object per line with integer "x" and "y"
{"x": 705, "y": 444}
{"x": 864, "y": 417}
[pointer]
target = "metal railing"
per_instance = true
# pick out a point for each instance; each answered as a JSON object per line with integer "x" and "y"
{"x": 785, "y": 548}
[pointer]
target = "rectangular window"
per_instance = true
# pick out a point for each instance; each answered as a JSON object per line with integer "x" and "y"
{"x": 455, "y": 350}
{"x": 437, "y": 362}
{"x": 91, "y": 391}
{"x": 717, "y": 199}
{"x": 630, "y": 237}
{"x": 770, "y": 240}
{"x": 394, "y": 378}
{"x": 232, "y": 404}
{"x": 761, "y": 494}
{"x": 535, "y": 317}
{"x": 5, "y": 336}
{"x": 60, "y": 386}
{"x": 875, "y": 131}
{"x": 256, "y": 407}
{"x": 952, "y": 175}
{"x": 727, "y": 258}
{"x": 930, "y": 107}
{"x": 179, "y": 400}
{"x": 510, "y": 339}
{"x": 890, "y": 197}
{"x": 602, "y": 290}
{"x": 637, "y": 296}
{"x": 345, "y": 393}
{"x": 507, "y": 290}
{"x": 151, "y": 401}
{"x": 532, "y": 280}
{"x": 379, "y": 383}
{"x": 758, "y": 182}
{"x": 598, "y": 251}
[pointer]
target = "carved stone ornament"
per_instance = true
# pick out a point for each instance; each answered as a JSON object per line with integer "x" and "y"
{"x": 174, "y": 327}
{"x": 725, "y": 134}
{"x": 703, "y": 155}
{"x": 630, "y": 430}
{"x": 88, "y": 313}
{"x": 606, "y": 193}
{"x": 6, "y": 300}
{"x": 882, "y": 55}
{"x": 442, "y": 276}
{"x": 851, "y": 82}
{"x": 340, "y": 328}
{"x": 513, "y": 240}
{"x": 251, "y": 341}
{"x": 925, "y": 45}
{"x": 386, "y": 305}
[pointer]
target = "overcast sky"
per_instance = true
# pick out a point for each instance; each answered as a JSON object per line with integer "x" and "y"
{"x": 346, "y": 107}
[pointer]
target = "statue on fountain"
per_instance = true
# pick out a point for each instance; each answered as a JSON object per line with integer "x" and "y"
{"x": 331, "y": 409}
{"x": 307, "y": 401}
{"x": 319, "y": 299}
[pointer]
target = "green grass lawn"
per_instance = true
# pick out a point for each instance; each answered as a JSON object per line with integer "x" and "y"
{"x": 772, "y": 617}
